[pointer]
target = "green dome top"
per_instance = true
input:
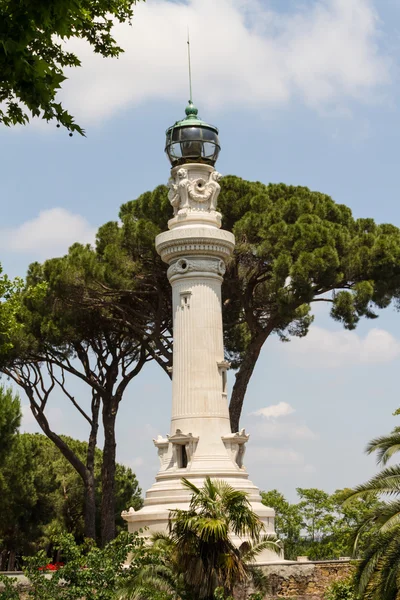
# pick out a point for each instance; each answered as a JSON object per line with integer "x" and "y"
{"x": 191, "y": 111}
{"x": 192, "y": 119}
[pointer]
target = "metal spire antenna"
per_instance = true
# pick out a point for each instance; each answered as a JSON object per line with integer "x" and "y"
{"x": 190, "y": 69}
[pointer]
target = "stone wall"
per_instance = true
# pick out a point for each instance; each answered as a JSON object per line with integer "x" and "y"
{"x": 290, "y": 581}
{"x": 305, "y": 580}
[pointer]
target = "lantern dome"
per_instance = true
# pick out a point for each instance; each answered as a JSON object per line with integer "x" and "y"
{"x": 192, "y": 140}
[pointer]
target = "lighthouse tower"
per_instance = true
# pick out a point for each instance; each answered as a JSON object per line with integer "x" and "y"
{"x": 200, "y": 442}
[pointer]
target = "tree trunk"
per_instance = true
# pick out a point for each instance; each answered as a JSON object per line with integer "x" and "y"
{"x": 11, "y": 561}
{"x": 108, "y": 531}
{"x": 242, "y": 379}
{"x": 86, "y": 474}
{"x": 90, "y": 489}
{"x": 90, "y": 507}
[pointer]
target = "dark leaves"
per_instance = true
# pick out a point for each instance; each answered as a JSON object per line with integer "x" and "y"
{"x": 32, "y": 58}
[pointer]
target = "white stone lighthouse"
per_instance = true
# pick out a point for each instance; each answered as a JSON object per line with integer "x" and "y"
{"x": 200, "y": 442}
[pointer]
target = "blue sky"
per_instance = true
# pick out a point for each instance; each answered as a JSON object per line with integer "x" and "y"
{"x": 303, "y": 93}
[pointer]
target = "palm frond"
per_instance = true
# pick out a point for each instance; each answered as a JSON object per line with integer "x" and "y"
{"x": 150, "y": 580}
{"x": 385, "y": 446}
{"x": 388, "y": 515}
{"x": 249, "y": 552}
{"x": 386, "y": 482}
{"x": 188, "y": 484}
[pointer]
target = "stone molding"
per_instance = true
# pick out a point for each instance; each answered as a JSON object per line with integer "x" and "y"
{"x": 201, "y": 265}
{"x": 194, "y": 241}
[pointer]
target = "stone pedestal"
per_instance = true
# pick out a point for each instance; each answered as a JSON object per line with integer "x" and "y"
{"x": 200, "y": 442}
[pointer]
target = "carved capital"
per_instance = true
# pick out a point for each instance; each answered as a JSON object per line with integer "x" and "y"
{"x": 127, "y": 513}
{"x": 162, "y": 445}
{"x": 235, "y": 445}
{"x": 189, "y": 192}
{"x": 224, "y": 365}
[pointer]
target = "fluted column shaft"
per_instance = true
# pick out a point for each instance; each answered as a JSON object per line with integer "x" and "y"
{"x": 198, "y": 387}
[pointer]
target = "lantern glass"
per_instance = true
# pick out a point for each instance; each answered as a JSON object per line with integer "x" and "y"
{"x": 192, "y": 143}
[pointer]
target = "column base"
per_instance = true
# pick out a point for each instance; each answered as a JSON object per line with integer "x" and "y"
{"x": 168, "y": 493}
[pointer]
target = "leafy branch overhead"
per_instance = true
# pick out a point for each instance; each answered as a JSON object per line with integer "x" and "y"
{"x": 296, "y": 247}
{"x": 34, "y": 53}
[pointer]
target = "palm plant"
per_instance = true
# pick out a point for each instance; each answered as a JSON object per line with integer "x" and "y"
{"x": 157, "y": 576}
{"x": 378, "y": 575}
{"x": 198, "y": 553}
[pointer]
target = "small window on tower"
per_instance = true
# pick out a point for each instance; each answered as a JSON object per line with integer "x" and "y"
{"x": 224, "y": 380}
{"x": 182, "y": 457}
{"x": 185, "y": 299}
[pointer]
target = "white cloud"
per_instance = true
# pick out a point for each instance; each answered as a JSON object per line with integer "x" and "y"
{"x": 242, "y": 55}
{"x": 272, "y": 427}
{"x": 274, "y": 430}
{"x": 276, "y": 457}
{"x": 49, "y": 234}
{"x": 332, "y": 349}
{"x": 274, "y": 411}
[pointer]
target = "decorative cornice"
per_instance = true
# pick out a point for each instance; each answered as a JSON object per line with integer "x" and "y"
{"x": 194, "y": 241}
{"x": 224, "y": 365}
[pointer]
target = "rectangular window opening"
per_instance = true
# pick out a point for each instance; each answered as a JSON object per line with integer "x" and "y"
{"x": 185, "y": 299}
{"x": 224, "y": 381}
{"x": 182, "y": 457}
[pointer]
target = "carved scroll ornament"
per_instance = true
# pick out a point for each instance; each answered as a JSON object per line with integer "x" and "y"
{"x": 187, "y": 194}
{"x": 184, "y": 265}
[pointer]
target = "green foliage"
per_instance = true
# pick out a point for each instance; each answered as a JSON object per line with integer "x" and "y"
{"x": 204, "y": 552}
{"x": 88, "y": 572}
{"x": 350, "y": 515}
{"x": 321, "y": 526}
{"x": 158, "y": 576}
{"x": 70, "y": 327}
{"x": 317, "y": 510}
{"x": 385, "y": 446}
{"x": 10, "y": 419}
{"x": 42, "y": 494}
{"x": 219, "y": 594}
{"x": 294, "y": 246}
{"x": 288, "y": 522}
{"x": 341, "y": 590}
{"x": 201, "y": 562}
{"x": 9, "y": 589}
{"x": 378, "y": 574}
{"x": 26, "y": 490}
{"x": 33, "y": 54}
{"x": 8, "y": 308}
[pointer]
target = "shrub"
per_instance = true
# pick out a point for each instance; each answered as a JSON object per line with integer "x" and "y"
{"x": 341, "y": 590}
{"x": 88, "y": 572}
{"x": 9, "y": 589}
